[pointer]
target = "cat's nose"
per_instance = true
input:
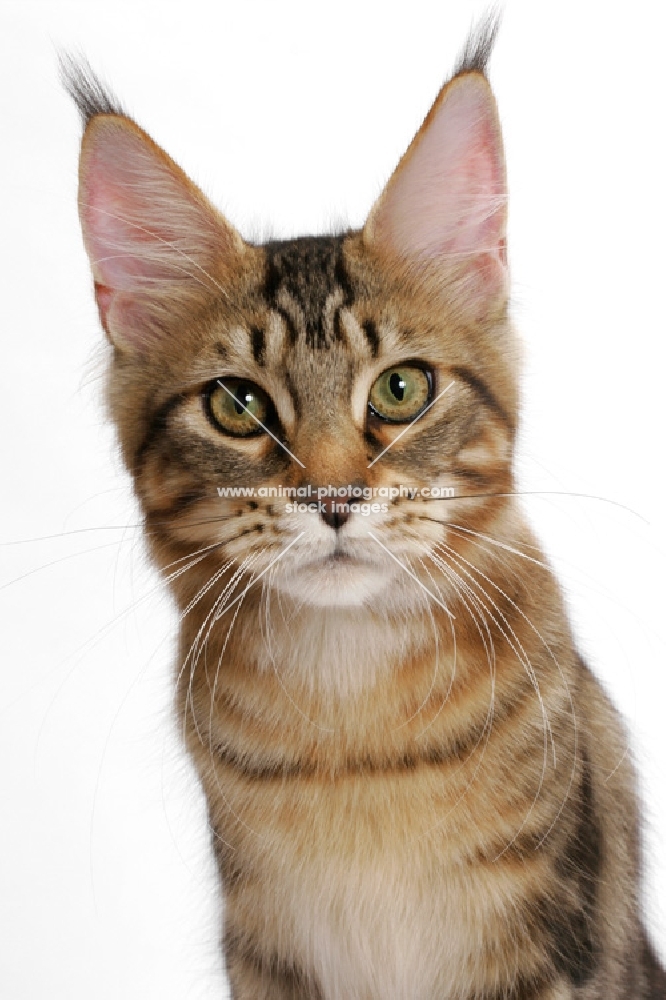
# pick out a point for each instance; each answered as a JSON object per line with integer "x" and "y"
{"x": 334, "y": 512}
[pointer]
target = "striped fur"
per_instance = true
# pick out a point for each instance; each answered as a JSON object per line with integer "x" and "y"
{"x": 416, "y": 788}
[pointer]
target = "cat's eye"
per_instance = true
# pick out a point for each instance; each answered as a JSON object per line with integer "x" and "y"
{"x": 400, "y": 393}
{"x": 237, "y": 406}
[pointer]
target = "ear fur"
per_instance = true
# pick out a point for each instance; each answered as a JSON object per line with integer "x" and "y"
{"x": 445, "y": 203}
{"x": 154, "y": 241}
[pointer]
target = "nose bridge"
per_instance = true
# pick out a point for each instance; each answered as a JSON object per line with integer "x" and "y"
{"x": 332, "y": 456}
{"x": 327, "y": 442}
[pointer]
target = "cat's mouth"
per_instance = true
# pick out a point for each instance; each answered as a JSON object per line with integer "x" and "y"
{"x": 338, "y": 557}
{"x": 334, "y": 578}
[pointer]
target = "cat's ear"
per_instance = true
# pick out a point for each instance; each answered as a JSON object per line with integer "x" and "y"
{"x": 446, "y": 201}
{"x": 154, "y": 241}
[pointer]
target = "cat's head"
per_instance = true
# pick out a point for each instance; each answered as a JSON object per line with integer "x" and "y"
{"x": 377, "y": 359}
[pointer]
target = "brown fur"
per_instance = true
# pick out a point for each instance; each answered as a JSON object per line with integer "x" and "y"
{"x": 410, "y": 799}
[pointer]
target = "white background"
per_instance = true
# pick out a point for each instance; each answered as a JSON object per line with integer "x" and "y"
{"x": 291, "y": 116}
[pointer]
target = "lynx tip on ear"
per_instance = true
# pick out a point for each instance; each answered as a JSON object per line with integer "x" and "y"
{"x": 91, "y": 96}
{"x": 475, "y": 56}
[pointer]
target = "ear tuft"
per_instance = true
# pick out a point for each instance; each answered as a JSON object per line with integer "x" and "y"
{"x": 91, "y": 96}
{"x": 475, "y": 56}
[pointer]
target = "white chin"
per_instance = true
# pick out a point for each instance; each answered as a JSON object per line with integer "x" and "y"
{"x": 328, "y": 583}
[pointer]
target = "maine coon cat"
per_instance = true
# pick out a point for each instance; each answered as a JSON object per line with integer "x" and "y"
{"x": 416, "y": 788}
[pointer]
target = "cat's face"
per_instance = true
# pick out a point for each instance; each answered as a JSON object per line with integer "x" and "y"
{"x": 380, "y": 360}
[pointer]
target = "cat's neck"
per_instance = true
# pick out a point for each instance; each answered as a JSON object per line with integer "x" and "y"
{"x": 337, "y": 651}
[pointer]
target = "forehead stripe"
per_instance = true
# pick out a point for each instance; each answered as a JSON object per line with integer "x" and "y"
{"x": 308, "y": 272}
{"x": 372, "y": 336}
{"x": 258, "y": 343}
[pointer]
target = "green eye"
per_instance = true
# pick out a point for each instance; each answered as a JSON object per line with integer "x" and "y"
{"x": 238, "y": 407}
{"x": 400, "y": 393}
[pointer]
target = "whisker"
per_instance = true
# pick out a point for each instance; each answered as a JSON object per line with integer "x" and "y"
{"x": 568, "y": 691}
{"x": 78, "y": 654}
{"x": 428, "y": 695}
{"x": 57, "y": 562}
{"x": 486, "y": 730}
{"x": 211, "y": 749}
{"x": 516, "y": 644}
{"x": 70, "y": 531}
{"x": 410, "y": 573}
{"x": 204, "y": 630}
{"x": 462, "y": 588}
{"x": 501, "y": 545}
{"x": 536, "y": 493}
{"x": 455, "y": 659}
{"x": 525, "y": 662}
{"x": 194, "y": 559}
{"x": 213, "y": 690}
{"x": 279, "y": 556}
{"x": 91, "y": 550}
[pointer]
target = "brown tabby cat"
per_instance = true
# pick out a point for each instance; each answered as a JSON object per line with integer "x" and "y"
{"x": 416, "y": 788}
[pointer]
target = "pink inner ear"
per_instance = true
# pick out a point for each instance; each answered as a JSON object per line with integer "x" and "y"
{"x": 448, "y": 195}
{"x": 149, "y": 233}
{"x": 117, "y": 244}
{"x": 134, "y": 212}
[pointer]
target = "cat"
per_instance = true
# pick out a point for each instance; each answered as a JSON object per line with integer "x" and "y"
{"x": 416, "y": 788}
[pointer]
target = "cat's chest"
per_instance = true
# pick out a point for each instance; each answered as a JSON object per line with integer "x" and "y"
{"x": 380, "y": 927}
{"x": 369, "y": 893}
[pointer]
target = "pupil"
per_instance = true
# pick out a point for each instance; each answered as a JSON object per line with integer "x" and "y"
{"x": 397, "y": 385}
{"x": 242, "y": 400}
